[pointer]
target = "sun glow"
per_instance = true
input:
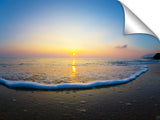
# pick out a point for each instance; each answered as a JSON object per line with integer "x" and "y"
{"x": 74, "y": 53}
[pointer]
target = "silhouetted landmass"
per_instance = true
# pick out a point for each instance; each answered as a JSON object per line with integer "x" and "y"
{"x": 156, "y": 56}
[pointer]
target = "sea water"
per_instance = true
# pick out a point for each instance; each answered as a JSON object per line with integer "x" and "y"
{"x": 59, "y": 73}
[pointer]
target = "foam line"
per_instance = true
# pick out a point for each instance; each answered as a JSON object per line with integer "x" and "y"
{"x": 34, "y": 85}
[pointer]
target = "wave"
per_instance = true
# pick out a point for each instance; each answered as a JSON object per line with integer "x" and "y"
{"x": 135, "y": 62}
{"x": 34, "y": 85}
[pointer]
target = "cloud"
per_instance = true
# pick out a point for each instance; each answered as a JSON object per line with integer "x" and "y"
{"x": 122, "y": 46}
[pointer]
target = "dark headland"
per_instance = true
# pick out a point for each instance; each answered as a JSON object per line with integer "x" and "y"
{"x": 156, "y": 56}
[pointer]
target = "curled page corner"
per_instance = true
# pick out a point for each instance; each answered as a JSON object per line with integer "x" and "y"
{"x": 133, "y": 24}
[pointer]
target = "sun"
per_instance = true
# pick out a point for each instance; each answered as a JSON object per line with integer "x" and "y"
{"x": 74, "y": 54}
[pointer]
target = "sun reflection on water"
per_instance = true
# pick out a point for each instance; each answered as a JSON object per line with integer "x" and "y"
{"x": 73, "y": 62}
{"x": 73, "y": 75}
{"x": 74, "y": 70}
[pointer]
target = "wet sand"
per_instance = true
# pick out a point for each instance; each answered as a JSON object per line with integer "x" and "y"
{"x": 136, "y": 100}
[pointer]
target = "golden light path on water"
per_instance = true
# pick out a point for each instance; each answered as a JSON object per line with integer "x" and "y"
{"x": 73, "y": 75}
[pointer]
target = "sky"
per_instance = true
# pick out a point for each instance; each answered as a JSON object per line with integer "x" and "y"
{"x": 57, "y": 28}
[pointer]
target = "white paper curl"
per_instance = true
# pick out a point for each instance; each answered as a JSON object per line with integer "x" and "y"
{"x": 133, "y": 24}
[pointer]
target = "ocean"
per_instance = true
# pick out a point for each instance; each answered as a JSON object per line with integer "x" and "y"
{"x": 68, "y": 73}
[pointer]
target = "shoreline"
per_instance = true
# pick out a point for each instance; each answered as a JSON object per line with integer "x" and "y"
{"x": 70, "y": 86}
{"x": 136, "y": 100}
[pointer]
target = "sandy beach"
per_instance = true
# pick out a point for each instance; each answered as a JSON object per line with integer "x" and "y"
{"x": 136, "y": 100}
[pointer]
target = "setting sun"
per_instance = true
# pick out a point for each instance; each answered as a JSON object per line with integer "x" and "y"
{"x": 74, "y": 54}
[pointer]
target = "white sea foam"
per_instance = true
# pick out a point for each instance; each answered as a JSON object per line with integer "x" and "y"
{"x": 34, "y": 85}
